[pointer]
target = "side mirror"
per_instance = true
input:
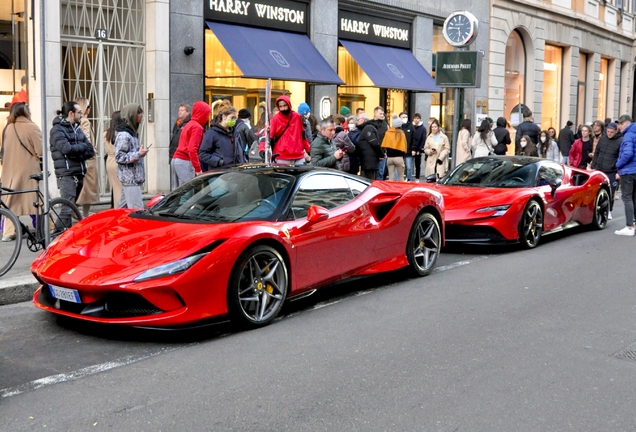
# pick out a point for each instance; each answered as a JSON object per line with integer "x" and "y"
{"x": 154, "y": 200}
{"x": 554, "y": 185}
{"x": 432, "y": 178}
{"x": 315, "y": 214}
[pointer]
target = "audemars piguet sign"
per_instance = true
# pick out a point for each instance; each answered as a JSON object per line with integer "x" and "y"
{"x": 368, "y": 28}
{"x": 275, "y": 14}
{"x": 458, "y": 69}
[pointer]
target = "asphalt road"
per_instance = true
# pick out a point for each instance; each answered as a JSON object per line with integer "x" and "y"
{"x": 497, "y": 339}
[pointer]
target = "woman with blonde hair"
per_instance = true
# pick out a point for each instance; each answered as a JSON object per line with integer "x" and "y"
{"x": 395, "y": 145}
{"x": 437, "y": 149}
{"x": 111, "y": 163}
{"x": 22, "y": 150}
{"x": 89, "y": 194}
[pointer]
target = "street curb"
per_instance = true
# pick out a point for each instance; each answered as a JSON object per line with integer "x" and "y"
{"x": 17, "y": 289}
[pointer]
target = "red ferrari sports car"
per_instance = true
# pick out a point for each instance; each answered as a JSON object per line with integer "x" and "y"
{"x": 236, "y": 243}
{"x": 500, "y": 199}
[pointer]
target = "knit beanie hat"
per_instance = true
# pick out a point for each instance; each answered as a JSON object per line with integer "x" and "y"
{"x": 396, "y": 121}
{"x": 244, "y": 113}
{"x": 303, "y": 108}
{"x": 344, "y": 111}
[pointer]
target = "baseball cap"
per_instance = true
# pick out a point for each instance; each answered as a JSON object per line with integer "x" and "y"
{"x": 612, "y": 125}
{"x": 624, "y": 118}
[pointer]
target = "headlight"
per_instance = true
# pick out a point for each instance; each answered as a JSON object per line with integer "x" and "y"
{"x": 499, "y": 210}
{"x": 170, "y": 268}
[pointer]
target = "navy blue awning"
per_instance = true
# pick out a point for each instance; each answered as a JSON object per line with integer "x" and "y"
{"x": 389, "y": 67}
{"x": 274, "y": 54}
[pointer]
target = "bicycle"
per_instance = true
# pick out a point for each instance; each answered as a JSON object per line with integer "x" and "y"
{"x": 62, "y": 213}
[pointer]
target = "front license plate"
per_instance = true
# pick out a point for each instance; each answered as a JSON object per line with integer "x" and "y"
{"x": 70, "y": 295}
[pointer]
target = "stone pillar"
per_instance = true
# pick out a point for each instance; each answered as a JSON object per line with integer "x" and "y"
{"x": 324, "y": 35}
{"x": 423, "y": 52}
{"x": 158, "y": 73}
{"x": 186, "y": 72}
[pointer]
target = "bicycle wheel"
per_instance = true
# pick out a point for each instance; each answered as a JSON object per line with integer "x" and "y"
{"x": 9, "y": 250}
{"x": 63, "y": 214}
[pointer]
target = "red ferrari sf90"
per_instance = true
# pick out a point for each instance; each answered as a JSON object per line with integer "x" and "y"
{"x": 500, "y": 199}
{"x": 236, "y": 243}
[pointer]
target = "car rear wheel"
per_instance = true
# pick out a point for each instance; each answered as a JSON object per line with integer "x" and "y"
{"x": 531, "y": 225}
{"x": 258, "y": 287}
{"x": 601, "y": 209}
{"x": 424, "y": 245}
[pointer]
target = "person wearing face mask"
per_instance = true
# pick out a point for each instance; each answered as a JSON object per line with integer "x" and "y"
{"x": 580, "y": 151}
{"x": 287, "y": 135}
{"x": 407, "y": 128}
{"x": 219, "y": 147}
{"x": 548, "y": 148}
{"x": 419, "y": 138}
{"x": 243, "y": 135}
{"x": 527, "y": 147}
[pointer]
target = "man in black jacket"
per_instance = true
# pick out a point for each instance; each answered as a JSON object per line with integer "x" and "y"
{"x": 606, "y": 155}
{"x": 419, "y": 139}
{"x": 381, "y": 126}
{"x": 407, "y": 128}
{"x": 527, "y": 127}
{"x": 369, "y": 147}
{"x": 566, "y": 139}
{"x": 70, "y": 149}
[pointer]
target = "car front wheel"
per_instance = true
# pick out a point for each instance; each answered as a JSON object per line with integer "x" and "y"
{"x": 258, "y": 287}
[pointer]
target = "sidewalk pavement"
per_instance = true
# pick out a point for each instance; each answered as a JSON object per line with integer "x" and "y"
{"x": 18, "y": 284}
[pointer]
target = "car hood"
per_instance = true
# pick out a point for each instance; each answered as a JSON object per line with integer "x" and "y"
{"x": 115, "y": 243}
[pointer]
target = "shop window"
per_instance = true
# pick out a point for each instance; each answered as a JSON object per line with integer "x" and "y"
{"x": 359, "y": 92}
{"x": 602, "y": 89}
{"x": 552, "y": 77}
{"x": 514, "y": 86}
{"x": 13, "y": 49}
{"x": 223, "y": 81}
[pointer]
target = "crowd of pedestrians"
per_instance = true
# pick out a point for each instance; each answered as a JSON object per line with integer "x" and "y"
{"x": 376, "y": 148}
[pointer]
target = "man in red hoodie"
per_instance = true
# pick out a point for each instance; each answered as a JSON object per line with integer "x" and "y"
{"x": 185, "y": 161}
{"x": 287, "y": 134}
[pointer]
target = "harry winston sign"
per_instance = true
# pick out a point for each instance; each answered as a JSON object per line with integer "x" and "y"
{"x": 274, "y": 14}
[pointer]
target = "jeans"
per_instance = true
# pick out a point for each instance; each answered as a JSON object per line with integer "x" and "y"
{"x": 295, "y": 162}
{"x": 613, "y": 186}
{"x": 381, "y": 168}
{"x": 418, "y": 165}
{"x": 370, "y": 174}
{"x": 70, "y": 188}
{"x": 628, "y": 195}
{"x": 408, "y": 161}
{"x": 565, "y": 160}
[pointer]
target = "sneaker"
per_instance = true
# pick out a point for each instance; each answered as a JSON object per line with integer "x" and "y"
{"x": 8, "y": 238}
{"x": 627, "y": 231}
{"x": 609, "y": 215}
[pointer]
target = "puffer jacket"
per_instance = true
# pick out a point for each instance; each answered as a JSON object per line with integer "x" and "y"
{"x": 218, "y": 149}
{"x": 69, "y": 148}
{"x": 606, "y": 153}
{"x": 368, "y": 146}
{"x": 527, "y": 128}
{"x": 322, "y": 151}
{"x": 626, "y": 163}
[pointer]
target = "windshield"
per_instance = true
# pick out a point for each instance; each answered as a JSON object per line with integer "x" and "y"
{"x": 227, "y": 197}
{"x": 493, "y": 172}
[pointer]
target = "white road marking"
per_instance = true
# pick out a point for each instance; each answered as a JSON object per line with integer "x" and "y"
{"x": 124, "y": 361}
{"x": 80, "y": 373}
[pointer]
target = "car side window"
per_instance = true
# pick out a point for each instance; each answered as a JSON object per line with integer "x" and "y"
{"x": 325, "y": 190}
{"x": 548, "y": 173}
{"x": 357, "y": 187}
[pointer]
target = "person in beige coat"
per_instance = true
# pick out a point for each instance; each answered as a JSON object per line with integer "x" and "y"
{"x": 463, "y": 142}
{"x": 22, "y": 150}
{"x": 111, "y": 163}
{"x": 90, "y": 191}
{"x": 437, "y": 149}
